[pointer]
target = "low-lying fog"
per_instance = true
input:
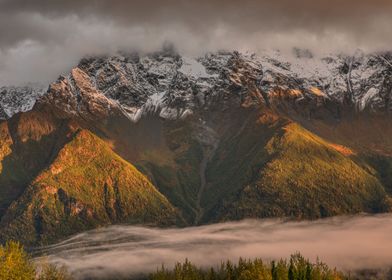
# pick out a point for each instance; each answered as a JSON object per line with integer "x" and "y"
{"x": 348, "y": 243}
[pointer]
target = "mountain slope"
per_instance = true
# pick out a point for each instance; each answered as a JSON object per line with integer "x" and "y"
{"x": 29, "y": 141}
{"x": 305, "y": 177}
{"x": 86, "y": 186}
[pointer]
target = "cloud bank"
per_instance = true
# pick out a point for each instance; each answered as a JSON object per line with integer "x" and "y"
{"x": 42, "y": 38}
{"x": 348, "y": 243}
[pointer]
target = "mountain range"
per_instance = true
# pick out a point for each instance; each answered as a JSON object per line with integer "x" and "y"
{"x": 168, "y": 140}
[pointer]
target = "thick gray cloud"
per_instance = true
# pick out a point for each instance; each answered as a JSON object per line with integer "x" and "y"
{"x": 49, "y": 36}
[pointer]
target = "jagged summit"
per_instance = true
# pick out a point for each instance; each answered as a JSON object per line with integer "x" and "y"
{"x": 172, "y": 86}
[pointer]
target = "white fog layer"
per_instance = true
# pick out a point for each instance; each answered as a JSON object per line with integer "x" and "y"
{"x": 348, "y": 243}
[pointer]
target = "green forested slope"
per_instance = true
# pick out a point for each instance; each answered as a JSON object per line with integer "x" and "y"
{"x": 304, "y": 176}
{"x": 86, "y": 186}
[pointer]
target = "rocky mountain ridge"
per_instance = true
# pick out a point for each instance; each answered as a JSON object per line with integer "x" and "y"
{"x": 171, "y": 86}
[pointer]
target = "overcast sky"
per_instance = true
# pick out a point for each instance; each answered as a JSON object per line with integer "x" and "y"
{"x": 40, "y": 39}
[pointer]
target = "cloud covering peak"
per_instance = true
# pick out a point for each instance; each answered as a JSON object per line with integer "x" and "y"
{"x": 42, "y": 38}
